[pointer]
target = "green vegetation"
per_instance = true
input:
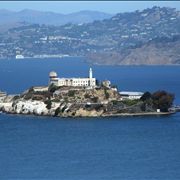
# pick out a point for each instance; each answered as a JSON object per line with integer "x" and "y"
{"x": 49, "y": 104}
{"x": 16, "y": 97}
{"x": 55, "y": 100}
{"x": 63, "y": 109}
{"x": 27, "y": 96}
{"x": 106, "y": 93}
{"x": 87, "y": 96}
{"x": 143, "y": 107}
{"x": 95, "y": 99}
{"x": 97, "y": 82}
{"x": 57, "y": 111}
{"x": 37, "y": 97}
{"x": 52, "y": 88}
{"x": 146, "y": 96}
{"x": 115, "y": 102}
{"x": 159, "y": 100}
{"x": 98, "y": 107}
{"x": 129, "y": 102}
{"x": 162, "y": 100}
{"x": 31, "y": 90}
{"x": 71, "y": 93}
{"x": 66, "y": 99}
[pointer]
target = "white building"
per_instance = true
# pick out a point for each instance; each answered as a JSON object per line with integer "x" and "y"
{"x": 40, "y": 88}
{"x": 130, "y": 95}
{"x": 85, "y": 82}
{"x": 19, "y": 56}
{"x": 2, "y": 94}
{"x": 106, "y": 83}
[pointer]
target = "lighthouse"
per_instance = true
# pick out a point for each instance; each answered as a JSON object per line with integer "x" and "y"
{"x": 90, "y": 73}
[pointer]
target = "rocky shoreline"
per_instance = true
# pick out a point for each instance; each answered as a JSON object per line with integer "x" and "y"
{"x": 39, "y": 109}
{"x": 105, "y": 115}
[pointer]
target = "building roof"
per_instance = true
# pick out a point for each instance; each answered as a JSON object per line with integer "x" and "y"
{"x": 40, "y": 87}
{"x": 131, "y": 93}
{"x": 75, "y": 78}
{"x": 52, "y": 74}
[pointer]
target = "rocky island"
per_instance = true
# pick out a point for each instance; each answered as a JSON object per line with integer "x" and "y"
{"x": 84, "y": 97}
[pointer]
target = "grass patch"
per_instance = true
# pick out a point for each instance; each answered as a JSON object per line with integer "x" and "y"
{"x": 129, "y": 102}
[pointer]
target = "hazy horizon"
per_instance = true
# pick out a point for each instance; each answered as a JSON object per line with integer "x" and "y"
{"x": 111, "y": 7}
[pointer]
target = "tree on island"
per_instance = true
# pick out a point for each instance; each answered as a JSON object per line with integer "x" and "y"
{"x": 146, "y": 96}
{"x": 52, "y": 88}
{"x": 159, "y": 100}
{"x": 49, "y": 104}
{"x": 162, "y": 100}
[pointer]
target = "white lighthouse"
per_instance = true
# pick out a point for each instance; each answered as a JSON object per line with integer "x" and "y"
{"x": 90, "y": 73}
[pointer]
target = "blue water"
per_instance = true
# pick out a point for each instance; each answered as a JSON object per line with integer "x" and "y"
{"x": 94, "y": 148}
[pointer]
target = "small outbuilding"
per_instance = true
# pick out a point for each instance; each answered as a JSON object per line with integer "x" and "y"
{"x": 2, "y": 94}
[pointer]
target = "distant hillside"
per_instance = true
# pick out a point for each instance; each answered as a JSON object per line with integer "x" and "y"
{"x": 157, "y": 52}
{"x": 151, "y": 36}
{"x": 50, "y": 18}
{"x": 147, "y": 37}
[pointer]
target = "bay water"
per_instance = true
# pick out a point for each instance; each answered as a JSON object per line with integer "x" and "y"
{"x": 134, "y": 148}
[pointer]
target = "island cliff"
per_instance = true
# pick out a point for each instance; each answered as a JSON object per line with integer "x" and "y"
{"x": 84, "y": 102}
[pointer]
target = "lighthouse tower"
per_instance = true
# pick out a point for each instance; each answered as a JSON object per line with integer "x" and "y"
{"x": 90, "y": 77}
{"x": 90, "y": 73}
{"x": 53, "y": 79}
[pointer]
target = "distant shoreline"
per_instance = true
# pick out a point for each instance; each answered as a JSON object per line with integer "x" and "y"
{"x": 86, "y": 61}
{"x": 39, "y": 58}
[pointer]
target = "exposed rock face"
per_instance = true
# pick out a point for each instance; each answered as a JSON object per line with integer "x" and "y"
{"x": 86, "y": 113}
{"x": 24, "y": 107}
{"x": 30, "y": 107}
